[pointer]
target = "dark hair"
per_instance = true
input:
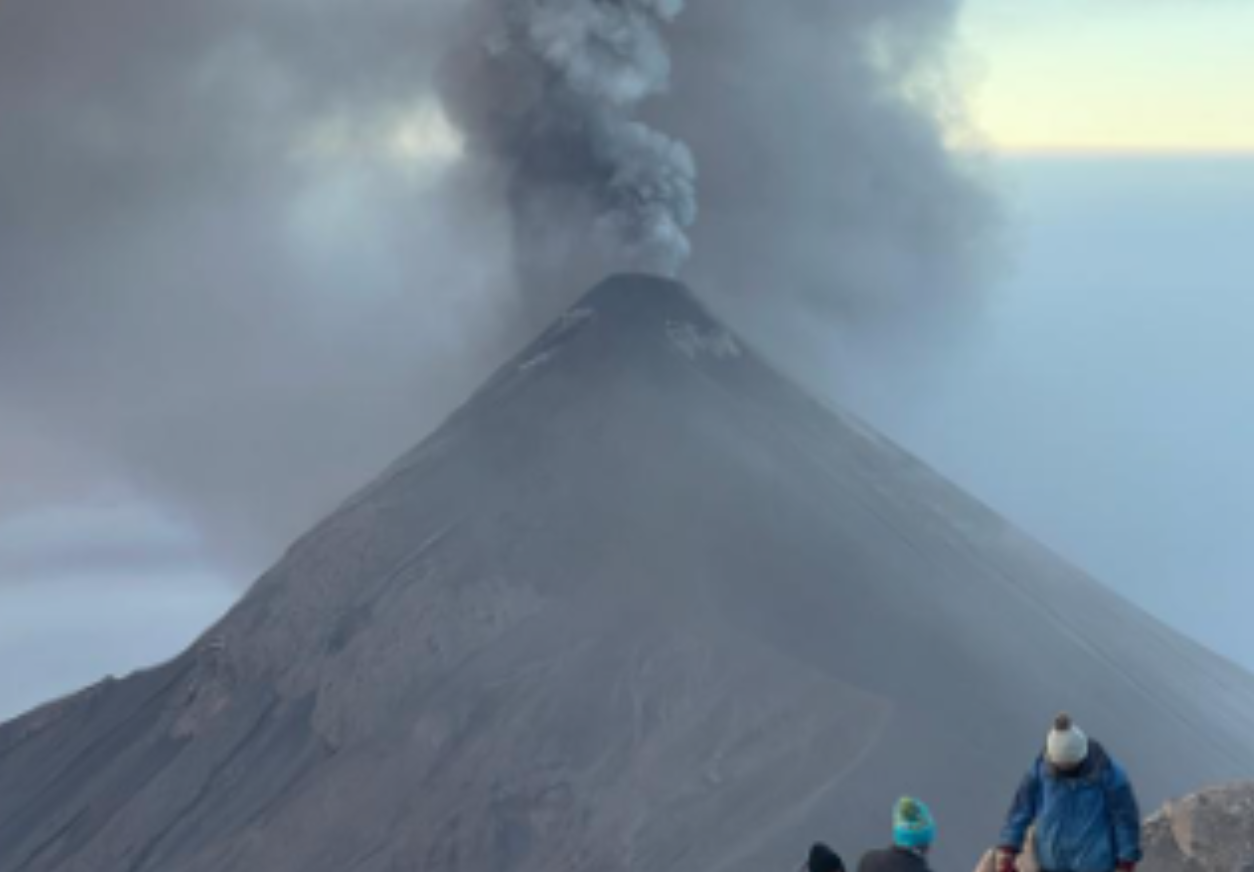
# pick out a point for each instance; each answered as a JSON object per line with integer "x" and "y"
{"x": 1062, "y": 723}
{"x": 824, "y": 859}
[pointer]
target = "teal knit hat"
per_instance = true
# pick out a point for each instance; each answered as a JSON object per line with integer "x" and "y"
{"x": 913, "y": 824}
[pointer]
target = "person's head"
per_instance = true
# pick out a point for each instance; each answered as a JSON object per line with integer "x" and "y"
{"x": 914, "y": 828}
{"x": 1066, "y": 746}
{"x": 824, "y": 859}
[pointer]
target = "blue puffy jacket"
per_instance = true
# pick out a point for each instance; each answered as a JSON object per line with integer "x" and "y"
{"x": 1087, "y": 821}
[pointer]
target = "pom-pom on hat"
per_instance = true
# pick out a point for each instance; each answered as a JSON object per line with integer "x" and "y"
{"x": 913, "y": 824}
{"x": 1066, "y": 745}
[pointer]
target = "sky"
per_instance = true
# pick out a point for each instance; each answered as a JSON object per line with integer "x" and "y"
{"x": 1112, "y": 75}
{"x": 1102, "y": 399}
{"x": 1093, "y": 392}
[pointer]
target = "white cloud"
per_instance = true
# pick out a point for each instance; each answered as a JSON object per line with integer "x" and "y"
{"x": 416, "y": 139}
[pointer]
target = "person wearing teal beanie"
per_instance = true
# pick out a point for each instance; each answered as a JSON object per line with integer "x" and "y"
{"x": 914, "y": 830}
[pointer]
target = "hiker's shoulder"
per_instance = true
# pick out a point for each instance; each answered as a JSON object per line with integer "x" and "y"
{"x": 1038, "y": 767}
{"x": 892, "y": 860}
{"x": 1105, "y": 764}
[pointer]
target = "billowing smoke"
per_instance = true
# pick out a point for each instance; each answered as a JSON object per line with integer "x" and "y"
{"x": 250, "y": 250}
{"x": 828, "y": 194}
{"x": 550, "y": 90}
{"x": 846, "y": 225}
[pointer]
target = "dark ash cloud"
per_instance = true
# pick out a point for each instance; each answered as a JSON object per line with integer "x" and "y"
{"x": 551, "y": 91}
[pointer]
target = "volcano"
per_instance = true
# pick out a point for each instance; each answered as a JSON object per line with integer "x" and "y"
{"x": 640, "y": 604}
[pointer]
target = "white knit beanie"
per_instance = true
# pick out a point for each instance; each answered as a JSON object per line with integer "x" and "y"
{"x": 1066, "y": 745}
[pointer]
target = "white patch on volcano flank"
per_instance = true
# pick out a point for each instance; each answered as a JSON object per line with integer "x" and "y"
{"x": 692, "y": 341}
{"x": 567, "y": 324}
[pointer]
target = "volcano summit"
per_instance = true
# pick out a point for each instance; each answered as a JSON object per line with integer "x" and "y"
{"x": 641, "y": 604}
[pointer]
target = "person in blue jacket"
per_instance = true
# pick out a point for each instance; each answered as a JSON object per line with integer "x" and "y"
{"x": 1081, "y": 804}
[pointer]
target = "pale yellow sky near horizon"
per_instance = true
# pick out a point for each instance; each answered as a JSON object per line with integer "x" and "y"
{"x": 1128, "y": 76}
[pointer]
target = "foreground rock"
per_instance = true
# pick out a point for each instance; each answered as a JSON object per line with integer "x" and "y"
{"x": 1212, "y": 831}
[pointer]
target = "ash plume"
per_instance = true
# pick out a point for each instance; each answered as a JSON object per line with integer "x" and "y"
{"x": 550, "y": 91}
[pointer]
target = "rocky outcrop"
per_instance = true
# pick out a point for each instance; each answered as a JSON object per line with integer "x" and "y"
{"x": 1211, "y": 831}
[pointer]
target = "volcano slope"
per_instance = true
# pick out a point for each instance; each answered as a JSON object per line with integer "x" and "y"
{"x": 640, "y": 604}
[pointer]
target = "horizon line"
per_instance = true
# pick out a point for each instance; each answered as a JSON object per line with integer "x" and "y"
{"x": 1132, "y": 152}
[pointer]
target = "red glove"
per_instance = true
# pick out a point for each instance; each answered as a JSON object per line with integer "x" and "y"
{"x": 1006, "y": 858}
{"x": 1126, "y": 866}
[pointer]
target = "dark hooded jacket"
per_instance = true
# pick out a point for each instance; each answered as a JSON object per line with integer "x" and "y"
{"x": 894, "y": 860}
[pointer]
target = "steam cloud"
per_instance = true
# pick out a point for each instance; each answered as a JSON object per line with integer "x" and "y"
{"x": 251, "y": 250}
